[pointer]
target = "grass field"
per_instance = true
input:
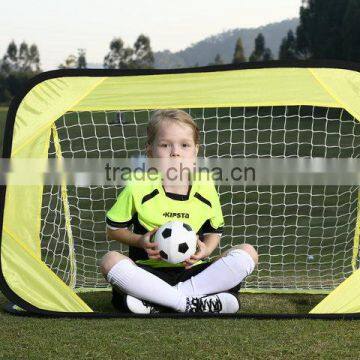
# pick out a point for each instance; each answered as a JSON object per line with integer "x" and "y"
{"x": 194, "y": 339}
{"x": 191, "y": 339}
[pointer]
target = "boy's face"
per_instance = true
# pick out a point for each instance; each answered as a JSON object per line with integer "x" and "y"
{"x": 174, "y": 141}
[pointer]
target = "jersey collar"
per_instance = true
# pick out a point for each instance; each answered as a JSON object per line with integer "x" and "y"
{"x": 175, "y": 196}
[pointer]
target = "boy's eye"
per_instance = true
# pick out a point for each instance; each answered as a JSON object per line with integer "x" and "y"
{"x": 163, "y": 145}
{"x": 185, "y": 145}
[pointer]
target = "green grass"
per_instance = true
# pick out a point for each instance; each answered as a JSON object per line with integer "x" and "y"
{"x": 34, "y": 338}
{"x": 194, "y": 339}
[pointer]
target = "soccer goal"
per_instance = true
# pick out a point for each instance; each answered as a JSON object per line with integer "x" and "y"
{"x": 307, "y": 235}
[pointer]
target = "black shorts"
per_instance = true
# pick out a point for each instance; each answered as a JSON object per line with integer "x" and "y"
{"x": 172, "y": 276}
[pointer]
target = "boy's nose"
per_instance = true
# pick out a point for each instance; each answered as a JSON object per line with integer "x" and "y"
{"x": 174, "y": 151}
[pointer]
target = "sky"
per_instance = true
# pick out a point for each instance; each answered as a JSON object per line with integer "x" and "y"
{"x": 60, "y": 28}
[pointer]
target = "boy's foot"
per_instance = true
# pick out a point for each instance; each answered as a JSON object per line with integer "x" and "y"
{"x": 138, "y": 306}
{"x": 222, "y": 303}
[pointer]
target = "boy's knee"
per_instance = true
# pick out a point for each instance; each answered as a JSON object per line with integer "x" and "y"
{"x": 109, "y": 260}
{"x": 249, "y": 249}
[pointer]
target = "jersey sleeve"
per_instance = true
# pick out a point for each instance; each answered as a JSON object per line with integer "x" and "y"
{"x": 217, "y": 219}
{"x": 121, "y": 213}
{"x": 215, "y": 223}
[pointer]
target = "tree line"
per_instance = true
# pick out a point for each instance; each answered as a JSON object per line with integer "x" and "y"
{"x": 328, "y": 29}
{"x": 20, "y": 63}
{"x": 118, "y": 57}
{"x": 16, "y": 67}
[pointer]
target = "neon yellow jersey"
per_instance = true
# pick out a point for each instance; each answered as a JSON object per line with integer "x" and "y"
{"x": 145, "y": 205}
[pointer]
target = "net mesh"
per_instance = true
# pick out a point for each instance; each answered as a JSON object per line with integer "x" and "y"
{"x": 304, "y": 234}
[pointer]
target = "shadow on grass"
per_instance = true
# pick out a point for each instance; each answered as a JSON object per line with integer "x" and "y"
{"x": 250, "y": 303}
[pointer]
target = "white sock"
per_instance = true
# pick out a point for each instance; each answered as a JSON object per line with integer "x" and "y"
{"x": 222, "y": 275}
{"x": 137, "y": 282}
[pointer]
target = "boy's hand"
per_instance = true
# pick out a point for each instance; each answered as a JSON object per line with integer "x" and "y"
{"x": 201, "y": 253}
{"x": 149, "y": 247}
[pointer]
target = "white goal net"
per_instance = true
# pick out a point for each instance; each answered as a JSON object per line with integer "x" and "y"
{"x": 305, "y": 235}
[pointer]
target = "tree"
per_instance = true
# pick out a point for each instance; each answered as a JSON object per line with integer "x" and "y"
{"x": 320, "y": 32}
{"x": 351, "y": 31}
{"x": 287, "y": 49}
{"x": 267, "y": 56}
{"x": 81, "y": 60}
{"x": 239, "y": 56}
{"x": 23, "y": 59}
{"x": 112, "y": 59}
{"x": 12, "y": 84}
{"x": 69, "y": 63}
{"x": 5, "y": 95}
{"x": 143, "y": 55}
{"x": 260, "y": 53}
{"x": 34, "y": 58}
{"x": 17, "y": 66}
{"x": 119, "y": 57}
{"x": 9, "y": 61}
{"x": 75, "y": 62}
{"x": 218, "y": 60}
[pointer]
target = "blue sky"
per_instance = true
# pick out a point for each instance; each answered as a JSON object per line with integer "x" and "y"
{"x": 59, "y": 28}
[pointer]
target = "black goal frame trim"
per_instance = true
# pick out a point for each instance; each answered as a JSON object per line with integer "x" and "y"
{"x": 30, "y": 309}
{"x": 11, "y": 309}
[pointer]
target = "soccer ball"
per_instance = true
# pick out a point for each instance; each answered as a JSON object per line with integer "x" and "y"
{"x": 176, "y": 241}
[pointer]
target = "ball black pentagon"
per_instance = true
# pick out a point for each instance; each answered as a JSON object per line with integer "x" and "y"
{"x": 163, "y": 254}
{"x": 187, "y": 227}
{"x": 183, "y": 248}
{"x": 166, "y": 233}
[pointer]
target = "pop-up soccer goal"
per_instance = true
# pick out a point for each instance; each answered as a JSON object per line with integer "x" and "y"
{"x": 52, "y": 237}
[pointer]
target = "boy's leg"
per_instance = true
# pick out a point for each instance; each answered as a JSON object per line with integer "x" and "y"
{"x": 223, "y": 274}
{"x": 125, "y": 275}
{"x": 125, "y": 303}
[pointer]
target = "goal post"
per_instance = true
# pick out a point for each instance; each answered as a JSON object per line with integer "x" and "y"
{"x": 307, "y": 235}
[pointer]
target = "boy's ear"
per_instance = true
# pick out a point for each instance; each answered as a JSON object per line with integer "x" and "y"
{"x": 197, "y": 148}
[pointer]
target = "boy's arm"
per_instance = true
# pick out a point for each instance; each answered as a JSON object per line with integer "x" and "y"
{"x": 211, "y": 242}
{"x": 127, "y": 237}
{"x": 211, "y": 230}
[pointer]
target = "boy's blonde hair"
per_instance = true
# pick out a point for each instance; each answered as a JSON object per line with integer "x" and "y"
{"x": 175, "y": 115}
